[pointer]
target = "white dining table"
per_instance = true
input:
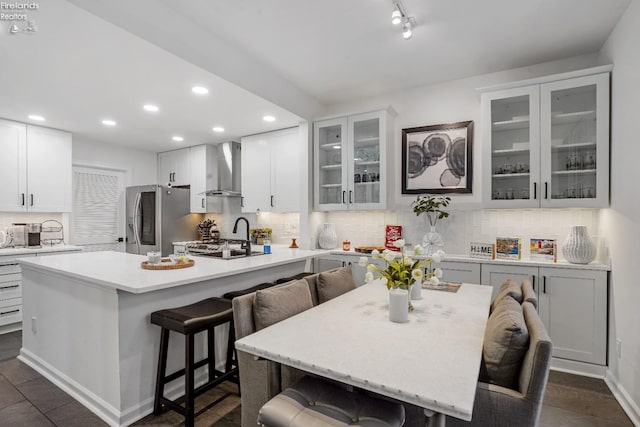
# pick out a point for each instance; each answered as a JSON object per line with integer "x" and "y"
{"x": 432, "y": 361}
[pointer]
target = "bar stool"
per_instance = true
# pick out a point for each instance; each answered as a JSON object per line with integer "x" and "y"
{"x": 189, "y": 320}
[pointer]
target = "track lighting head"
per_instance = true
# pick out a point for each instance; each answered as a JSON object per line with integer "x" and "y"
{"x": 406, "y": 30}
{"x": 396, "y": 16}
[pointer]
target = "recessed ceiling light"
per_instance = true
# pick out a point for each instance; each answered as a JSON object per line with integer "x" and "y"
{"x": 108, "y": 122}
{"x": 218, "y": 129}
{"x": 200, "y": 90}
{"x": 269, "y": 118}
{"x": 178, "y": 138}
{"x": 36, "y": 117}
{"x": 151, "y": 108}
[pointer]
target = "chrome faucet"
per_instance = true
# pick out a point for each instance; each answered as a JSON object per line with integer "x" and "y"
{"x": 247, "y": 245}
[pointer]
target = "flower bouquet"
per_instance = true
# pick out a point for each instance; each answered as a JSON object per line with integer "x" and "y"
{"x": 402, "y": 270}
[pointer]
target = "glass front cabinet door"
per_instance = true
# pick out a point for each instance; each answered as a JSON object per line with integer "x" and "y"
{"x": 548, "y": 144}
{"x": 351, "y": 162}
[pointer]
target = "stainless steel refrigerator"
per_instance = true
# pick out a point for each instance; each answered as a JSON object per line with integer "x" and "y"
{"x": 157, "y": 216}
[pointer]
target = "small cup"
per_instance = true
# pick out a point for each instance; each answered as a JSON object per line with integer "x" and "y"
{"x": 508, "y": 168}
{"x": 524, "y": 193}
{"x": 509, "y": 194}
{"x": 153, "y": 257}
{"x": 572, "y": 193}
{"x": 498, "y": 194}
{"x": 356, "y": 177}
{"x": 365, "y": 177}
{"x": 586, "y": 192}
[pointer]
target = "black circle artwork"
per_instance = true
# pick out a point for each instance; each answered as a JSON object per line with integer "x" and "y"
{"x": 435, "y": 148}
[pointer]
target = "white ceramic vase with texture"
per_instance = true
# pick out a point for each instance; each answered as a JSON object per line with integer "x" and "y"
{"x": 327, "y": 238}
{"x": 579, "y": 248}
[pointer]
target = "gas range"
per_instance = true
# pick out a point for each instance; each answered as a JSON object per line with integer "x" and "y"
{"x": 215, "y": 249}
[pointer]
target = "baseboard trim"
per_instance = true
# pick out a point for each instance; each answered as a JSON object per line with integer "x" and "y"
{"x": 99, "y": 406}
{"x": 578, "y": 368}
{"x": 628, "y": 405}
{"x": 95, "y": 404}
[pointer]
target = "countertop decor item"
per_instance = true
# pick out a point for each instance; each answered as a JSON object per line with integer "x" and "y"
{"x": 294, "y": 244}
{"x": 327, "y": 238}
{"x": 402, "y": 270}
{"x": 259, "y": 234}
{"x": 579, "y": 248}
{"x": 433, "y": 207}
{"x": 167, "y": 264}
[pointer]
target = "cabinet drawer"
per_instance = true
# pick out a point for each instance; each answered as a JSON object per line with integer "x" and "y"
{"x": 11, "y": 313}
{"x": 9, "y": 268}
{"x": 7, "y": 278}
{"x": 10, "y": 290}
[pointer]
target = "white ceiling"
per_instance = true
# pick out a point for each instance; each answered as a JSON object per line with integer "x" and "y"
{"x": 299, "y": 55}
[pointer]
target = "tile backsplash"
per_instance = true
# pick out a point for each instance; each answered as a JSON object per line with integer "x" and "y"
{"x": 465, "y": 226}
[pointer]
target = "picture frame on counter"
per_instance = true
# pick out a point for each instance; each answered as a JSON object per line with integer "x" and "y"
{"x": 482, "y": 250}
{"x": 437, "y": 158}
{"x": 509, "y": 248}
{"x": 543, "y": 250}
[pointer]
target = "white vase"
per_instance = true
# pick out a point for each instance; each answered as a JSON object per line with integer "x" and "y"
{"x": 578, "y": 248}
{"x": 398, "y": 305}
{"x": 327, "y": 238}
{"x": 416, "y": 291}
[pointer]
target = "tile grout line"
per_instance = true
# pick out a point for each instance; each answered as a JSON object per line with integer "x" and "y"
{"x": 28, "y": 400}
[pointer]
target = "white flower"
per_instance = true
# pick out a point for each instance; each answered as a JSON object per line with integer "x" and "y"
{"x": 368, "y": 277}
{"x": 441, "y": 253}
{"x": 375, "y": 254}
{"x": 371, "y": 267}
{"x": 389, "y": 256}
{"x": 417, "y": 274}
{"x": 438, "y": 273}
{"x": 436, "y": 257}
{"x": 417, "y": 250}
{"x": 362, "y": 262}
{"x": 434, "y": 280}
{"x": 399, "y": 243}
{"x": 407, "y": 260}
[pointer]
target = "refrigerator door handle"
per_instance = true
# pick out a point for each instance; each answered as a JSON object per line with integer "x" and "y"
{"x": 136, "y": 212}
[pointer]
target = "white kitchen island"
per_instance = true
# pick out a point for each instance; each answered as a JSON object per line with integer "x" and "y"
{"x": 86, "y": 320}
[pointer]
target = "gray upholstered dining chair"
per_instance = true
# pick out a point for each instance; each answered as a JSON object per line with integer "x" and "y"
{"x": 520, "y": 405}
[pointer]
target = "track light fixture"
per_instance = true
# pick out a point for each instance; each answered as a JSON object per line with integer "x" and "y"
{"x": 399, "y": 16}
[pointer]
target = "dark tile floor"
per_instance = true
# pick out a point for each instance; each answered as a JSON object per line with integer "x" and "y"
{"x": 28, "y": 399}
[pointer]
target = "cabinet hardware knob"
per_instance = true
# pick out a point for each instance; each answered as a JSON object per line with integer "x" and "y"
{"x": 242, "y": 201}
{"x": 350, "y": 194}
{"x": 203, "y": 202}
{"x": 271, "y": 202}
{"x": 535, "y": 190}
{"x": 544, "y": 284}
{"x": 31, "y": 199}
{"x": 343, "y": 194}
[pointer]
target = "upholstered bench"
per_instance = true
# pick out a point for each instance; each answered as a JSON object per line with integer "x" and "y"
{"x": 315, "y": 402}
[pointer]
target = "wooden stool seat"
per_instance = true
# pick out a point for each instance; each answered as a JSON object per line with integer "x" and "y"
{"x": 188, "y": 320}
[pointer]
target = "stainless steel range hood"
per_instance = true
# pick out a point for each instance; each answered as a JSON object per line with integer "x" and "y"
{"x": 227, "y": 171}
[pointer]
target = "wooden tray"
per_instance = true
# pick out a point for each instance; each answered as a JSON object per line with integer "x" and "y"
{"x": 368, "y": 249}
{"x": 167, "y": 264}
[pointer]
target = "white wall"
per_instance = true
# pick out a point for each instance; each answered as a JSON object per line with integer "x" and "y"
{"x": 451, "y": 102}
{"x": 621, "y": 223}
{"x": 142, "y": 166}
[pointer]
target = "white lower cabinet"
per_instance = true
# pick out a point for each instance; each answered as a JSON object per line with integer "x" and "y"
{"x": 11, "y": 290}
{"x": 461, "y": 272}
{"x": 572, "y": 304}
{"x": 331, "y": 261}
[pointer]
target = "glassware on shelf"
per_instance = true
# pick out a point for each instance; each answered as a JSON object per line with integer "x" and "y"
{"x": 589, "y": 159}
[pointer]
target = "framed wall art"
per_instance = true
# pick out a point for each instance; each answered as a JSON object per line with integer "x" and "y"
{"x": 437, "y": 159}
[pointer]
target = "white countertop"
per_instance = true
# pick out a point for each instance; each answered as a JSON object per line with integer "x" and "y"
{"x": 122, "y": 271}
{"x": 43, "y": 249}
{"x": 432, "y": 361}
{"x": 522, "y": 262}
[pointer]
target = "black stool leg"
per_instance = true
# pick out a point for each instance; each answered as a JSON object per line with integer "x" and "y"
{"x": 189, "y": 398}
{"x": 211, "y": 352}
{"x": 162, "y": 367}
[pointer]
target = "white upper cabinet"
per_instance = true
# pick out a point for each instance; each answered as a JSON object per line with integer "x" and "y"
{"x": 547, "y": 144}
{"x": 35, "y": 169}
{"x": 203, "y": 177}
{"x": 174, "y": 167}
{"x": 271, "y": 171}
{"x": 350, "y": 161}
{"x": 13, "y": 166}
